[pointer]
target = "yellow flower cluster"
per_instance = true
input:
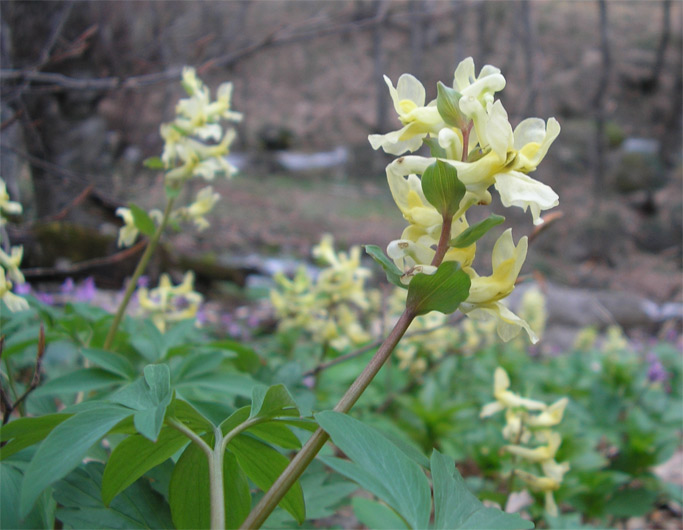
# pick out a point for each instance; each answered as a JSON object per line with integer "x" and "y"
{"x": 168, "y": 303}
{"x": 528, "y": 424}
{"x": 468, "y": 129}
{"x": 187, "y": 148}
{"x": 10, "y": 257}
{"x": 195, "y": 145}
{"x": 330, "y": 307}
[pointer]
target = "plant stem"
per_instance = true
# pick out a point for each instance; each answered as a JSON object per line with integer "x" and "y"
{"x": 142, "y": 265}
{"x": 444, "y": 239}
{"x": 215, "y": 457}
{"x": 217, "y": 483}
{"x": 315, "y": 443}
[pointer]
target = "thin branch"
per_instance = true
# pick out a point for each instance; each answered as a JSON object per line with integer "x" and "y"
{"x": 35, "y": 380}
{"x": 280, "y": 37}
{"x": 54, "y": 35}
{"x": 36, "y": 272}
{"x": 374, "y": 344}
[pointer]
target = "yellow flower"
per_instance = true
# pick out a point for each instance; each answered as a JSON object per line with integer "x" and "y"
{"x": 549, "y": 417}
{"x": 7, "y": 207}
{"x": 541, "y": 453}
{"x": 11, "y": 263}
{"x": 128, "y": 232}
{"x": 418, "y": 119}
{"x": 505, "y": 398}
{"x": 486, "y": 292}
{"x": 12, "y": 301}
{"x": 168, "y": 303}
{"x": 203, "y": 204}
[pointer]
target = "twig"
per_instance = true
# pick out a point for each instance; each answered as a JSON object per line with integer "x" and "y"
{"x": 35, "y": 380}
{"x": 36, "y": 272}
{"x": 374, "y": 344}
{"x": 75, "y": 202}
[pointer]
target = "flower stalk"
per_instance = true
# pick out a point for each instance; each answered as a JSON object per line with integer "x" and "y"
{"x": 139, "y": 270}
{"x": 316, "y": 442}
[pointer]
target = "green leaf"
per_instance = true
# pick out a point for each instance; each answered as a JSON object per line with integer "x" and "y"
{"x": 24, "y": 432}
{"x": 83, "y": 380}
{"x": 236, "y": 418}
{"x": 435, "y": 150}
{"x": 137, "y": 507}
{"x": 379, "y": 466}
{"x": 276, "y": 433}
{"x": 629, "y": 502}
{"x": 142, "y": 220}
{"x": 65, "y": 447}
{"x": 455, "y": 507}
{"x": 263, "y": 465}
{"x": 110, "y": 361}
{"x": 247, "y": 359}
{"x": 154, "y": 162}
{"x": 390, "y": 269}
{"x": 229, "y": 383}
{"x": 136, "y": 455}
{"x": 476, "y": 231}
{"x": 442, "y": 291}
{"x": 41, "y": 516}
{"x": 269, "y": 402}
{"x": 322, "y": 495}
{"x": 149, "y": 396}
{"x": 442, "y": 188}
{"x": 237, "y": 493}
{"x": 189, "y": 491}
{"x": 374, "y": 515}
{"x": 448, "y": 105}
{"x": 186, "y": 413}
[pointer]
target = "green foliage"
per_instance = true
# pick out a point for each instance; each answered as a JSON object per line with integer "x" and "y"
{"x": 78, "y": 496}
{"x": 442, "y": 291}
{"x": 448, "y": 104}
{"x": 618, "y": 425}
{"x": 442, "y": 188}
{"x": 379, "y": 467}
{"x": 142, "y": 220}
{"x": 386, "y": 471}
{"x": 390, "y": 269}
{"x": 476, "y": 231}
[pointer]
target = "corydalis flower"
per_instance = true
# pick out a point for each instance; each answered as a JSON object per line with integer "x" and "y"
{"x": 128, "y": 233}
{"x": 197, "y": 211}
{"x": 7, "y": 207}
{"x": 168, "y": 303}
{"x": 418, "y": 120}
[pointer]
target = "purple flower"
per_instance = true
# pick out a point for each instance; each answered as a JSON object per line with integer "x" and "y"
{"x": 656, "y": 372}
{"x": 22, "y": 288}
{"x": 68, "y": 286}
{"x": 45, "y": 298}
{"x": 86, "y": 291}
{"x": 143, "y": 281}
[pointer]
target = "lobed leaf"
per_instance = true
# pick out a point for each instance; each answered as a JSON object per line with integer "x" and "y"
{"x": 263, "y": 465}
{"x": 64, "y": 448}
{"x": 136, "y": 455}
{"x": 379, "y": 466}
{"x": 456, "y": 508}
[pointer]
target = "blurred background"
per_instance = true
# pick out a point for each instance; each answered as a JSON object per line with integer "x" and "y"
{"x": 85, "y": 86}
